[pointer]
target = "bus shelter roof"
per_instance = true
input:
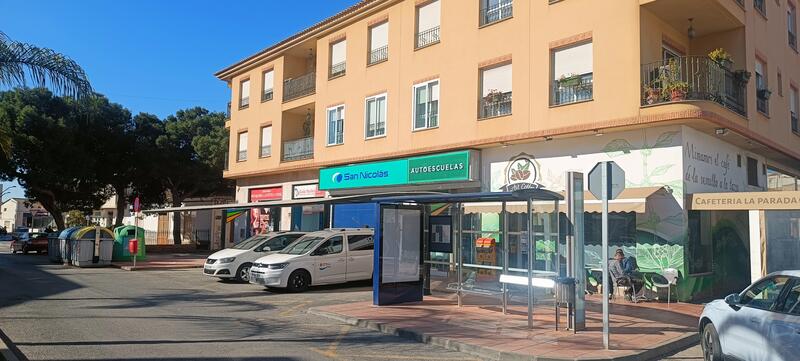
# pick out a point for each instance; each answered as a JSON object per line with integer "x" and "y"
{"x": 477, "y": 197}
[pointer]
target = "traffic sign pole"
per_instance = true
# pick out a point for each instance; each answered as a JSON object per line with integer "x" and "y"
{"x": 604, "y": 252}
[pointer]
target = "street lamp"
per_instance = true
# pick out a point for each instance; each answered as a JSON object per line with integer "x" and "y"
{"x": 6, "y": 192}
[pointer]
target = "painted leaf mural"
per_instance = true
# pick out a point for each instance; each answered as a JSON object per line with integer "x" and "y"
{"x": 656, "y": 257}
{"x": 617, "y": 147}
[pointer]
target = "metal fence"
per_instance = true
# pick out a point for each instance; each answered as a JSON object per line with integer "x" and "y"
{"x": 495, "y": 105}
{"x": 266, "y": 151}
{"x": 298, "y": 149}
{"x": 300, "y": 86}
{"x": 504, "y": 9}
{"x": 694, "y": 78}
{"x": 241, "y": 155}
{"x": 266, "y": 95}
{"x": 428, "y": 37}
{"x": 573, "y": 89}
{"x": 338, "y": 69}
{"x": 378, "y": 55}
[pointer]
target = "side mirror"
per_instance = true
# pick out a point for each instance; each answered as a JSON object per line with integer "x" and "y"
{"x": 733, "y": 299}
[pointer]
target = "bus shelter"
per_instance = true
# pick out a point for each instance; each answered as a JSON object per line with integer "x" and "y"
{"x": 440, "y": 241}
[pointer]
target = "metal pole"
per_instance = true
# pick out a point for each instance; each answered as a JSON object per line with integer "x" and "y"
{"x": 604, "y": 254}
{"x": 457, "y": 243}
{"x": 530, "y": 263}
{"x": 504, "y": 235}
{"x": 136, "y": 235}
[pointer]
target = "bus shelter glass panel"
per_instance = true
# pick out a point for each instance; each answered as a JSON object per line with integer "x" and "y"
{"x": 401, "y": 256}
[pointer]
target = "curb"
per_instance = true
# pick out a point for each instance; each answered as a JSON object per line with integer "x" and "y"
{"x": 144, "y": 268}
{"x": 8, "y": 351}
{"x": 662, "y": 349}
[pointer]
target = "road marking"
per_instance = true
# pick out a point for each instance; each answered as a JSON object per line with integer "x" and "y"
{"x": 294, "y": 308}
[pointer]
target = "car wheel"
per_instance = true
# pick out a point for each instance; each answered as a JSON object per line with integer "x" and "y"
{"x": 24, "y": 250}
{"x": 712, "y": 350}
{"x": 243, "y": 273}
{"x": 298, "y": 281}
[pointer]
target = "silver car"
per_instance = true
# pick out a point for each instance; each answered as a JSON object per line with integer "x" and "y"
{"x": 761, "y": 323}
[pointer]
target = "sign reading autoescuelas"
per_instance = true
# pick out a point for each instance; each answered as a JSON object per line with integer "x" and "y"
{"x": 445, "y": 167}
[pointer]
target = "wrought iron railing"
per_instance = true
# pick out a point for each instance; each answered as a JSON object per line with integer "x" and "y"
{"x": 244, "y": 102}
{"x": 378, "y": 55}
{"x": 793, "y": 40}
{"x": 376, "y": 129}
{"x": 228, "y": 111}
{"x": 502, "y": 10}
{"x": 762, "y": 100}
{"x": 428, "y": 37}
{"x": 573, "y": 89}
{"x": 300, "y": 86}
{"x": 266, "y": 95}
{"x": 241, "y": 155}
{"x": 795, "y": 125}
{"x": 266, "y": 151}
{"x": 694, "y": 78}
{"x": 760, "y": 5}
{"x": 338, "y": 69}
{"x": 298, "y": 149}
{"x": 495, "y": 105}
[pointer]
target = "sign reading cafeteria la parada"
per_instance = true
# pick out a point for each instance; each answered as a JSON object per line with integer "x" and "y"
{"x": 445, "y": 167}
{"x": 788, "y": 200}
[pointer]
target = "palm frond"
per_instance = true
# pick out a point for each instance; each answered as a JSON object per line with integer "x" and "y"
{"x": 21, "y": 63}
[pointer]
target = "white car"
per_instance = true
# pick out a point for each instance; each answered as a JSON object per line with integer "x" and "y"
{"x": 323, "y": 257}
{"x": 761, "y": 323}
{"x": 235, "y": 262}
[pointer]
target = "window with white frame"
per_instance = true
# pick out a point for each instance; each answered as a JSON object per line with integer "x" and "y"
{"x": 428, "y": 22}
{"x": 572, "y": 74}
{"x": 338, "y": 58}
{"x": 495, "y": 91}
{"x": 241, "y": 155}
{"x": 375, "y": 113}
{"x": 495, "y": 10}
{"x": 426, "y": 105}
{"x": 269, "y": 83}
{"x": 244, "y": 93}
{"x": 379, "y": 43}
{"x": 266, "y": 141}
{"x": 336, "y": 125}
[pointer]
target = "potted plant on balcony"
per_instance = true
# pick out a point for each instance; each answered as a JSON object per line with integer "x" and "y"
{"x": 494, "y": 96}
{"x": 651, "y": 94}
{"x": 721, "y": 57}
{"x": 569, "y": 80}
{"x": 677, "y": 90}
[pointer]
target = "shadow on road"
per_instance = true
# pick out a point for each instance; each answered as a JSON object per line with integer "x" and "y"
{"x": 23, "y": 278}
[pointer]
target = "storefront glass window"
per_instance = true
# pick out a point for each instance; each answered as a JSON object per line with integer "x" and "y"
{"x": 699, "y": 249}
{"x": 783, "y": 240}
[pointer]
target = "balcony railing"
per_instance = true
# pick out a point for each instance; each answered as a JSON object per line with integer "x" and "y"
{"x": 266, "y": 151}
{"x": 241, "y": 156}
{"x": 298, "y": 149}
{"x": 793, "y": 40}
{"x": 573, "y": 89}
{"x": 428, "y": 37}
{"x": 299, "y": 87}
{"x": 502, "y": 10}
{"x": 762, "y": 100}
{"x": 244, "y": 102}
{"x": 266, "y": 95}
{"x": 378, "y": 55}
{"x": 338, "y": 69}
{"x": 495, "y": 105}
{"x": 795, "y": 125}
{"x": 760, "y": 6}
{"x": 228, "y": 111}
{"x": 376, "y": 129}
{"x": 694, "y": 78}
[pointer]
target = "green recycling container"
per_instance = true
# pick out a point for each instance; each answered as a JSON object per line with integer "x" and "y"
{"x": 122, "y": 235}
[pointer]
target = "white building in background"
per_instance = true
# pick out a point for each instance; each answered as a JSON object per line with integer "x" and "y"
{"x": 21, "y": 213}
{"x": 107, "y": 214}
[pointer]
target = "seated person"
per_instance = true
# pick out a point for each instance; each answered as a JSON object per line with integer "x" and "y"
{"x": 625, "y": 272}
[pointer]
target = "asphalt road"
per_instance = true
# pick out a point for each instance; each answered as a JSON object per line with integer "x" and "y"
{"x": 54, "y": 313}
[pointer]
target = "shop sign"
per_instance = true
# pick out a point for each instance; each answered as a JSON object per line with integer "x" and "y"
{"x": 785, "y": 200}
{"x": 522, "y": 172}
{"x": 266, "y": 194}
{"x": 446, "y": 167}
{"x": 304, "y": 191}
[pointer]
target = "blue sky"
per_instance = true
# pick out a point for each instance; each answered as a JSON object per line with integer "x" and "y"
{"x": 159, "y": 56}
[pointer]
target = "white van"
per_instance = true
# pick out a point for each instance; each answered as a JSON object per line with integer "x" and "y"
{"x": 324, "y": 257}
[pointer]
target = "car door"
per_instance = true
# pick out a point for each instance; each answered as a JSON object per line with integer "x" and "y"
{"x": 359, "y": 256}
{"x": 330, "y": 262}
{"x": 784, "y": 326}
{"x": 746, "y": 334}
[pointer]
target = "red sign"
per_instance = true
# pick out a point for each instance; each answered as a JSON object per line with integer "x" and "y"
{"x": 136, "y": 205}
{"x": 266, "y": 194}
{"x": 133, "y": 246}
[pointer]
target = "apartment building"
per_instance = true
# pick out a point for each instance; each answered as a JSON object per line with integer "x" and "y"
{"x": 460, "y": 95}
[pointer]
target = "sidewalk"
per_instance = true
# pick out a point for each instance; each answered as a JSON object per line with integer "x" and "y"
{"x": 638, "y": 332}
{"x": 164, "y": 261}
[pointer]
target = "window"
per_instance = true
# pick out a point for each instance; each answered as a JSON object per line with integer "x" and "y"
{"x": 752, "y": 171}
{"x": 338, "y": 58}
{"x": 266, "y": 141}
{"x": 762, "y": 93}
{"x": 668, "y": 53}
{"x": 360, "y": 242}
{"x": 244, "y": 94}
{"x": 336, "y": 125}
{"x": 761, "y": 6}
{"x": 269, "y": 83}
{"x": 793, "y": 102}
{"x": 780, "y": 83}
{"x": 495, "y": 91}
{"x": 376, "y": 116}
{"x": 764, "y": 294}
{"x": 242, "y": 154}
{"x": 791, "y": 304}
{"x": 791, "y": 23}
{"x": 426, "y": 105}
{"x": 496, "y": 10}
{"x": 332, "y": 246}
{"x": 572, "y": 74}
{"x": 428, "y": 17}
{"x": 700, "y": 249}
{"x": 378, "y": 43}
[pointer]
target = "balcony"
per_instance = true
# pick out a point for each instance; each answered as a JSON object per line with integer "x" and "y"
{"x": 694, "y": 78}
{"x": 228, "y": 111}
{"x": 504, "y": 9}
{"x": 241, "y": 156}
{"x": 266, "y": 95}
{"x": 338, "y": 70}
{"x": 265, "y": 151}
{"x": 298, "y": 149}
{"x": 427, "y": 37}
{"x": 378, "y": 55}
{"x": 573, "y": 89}
{"x": 300, "y": 86}
{"x": 795, "y": 126}
{"x": 495, "y": 104}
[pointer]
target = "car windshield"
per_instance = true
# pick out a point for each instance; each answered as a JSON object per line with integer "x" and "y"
{"x": 302, "y": 245}
{"x": 250, "y": 242}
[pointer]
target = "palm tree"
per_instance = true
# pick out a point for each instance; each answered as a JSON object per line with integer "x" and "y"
{"x": 21, "y": 63}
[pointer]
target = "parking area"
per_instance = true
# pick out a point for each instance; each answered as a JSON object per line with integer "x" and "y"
{"x": 51, "y": 312}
